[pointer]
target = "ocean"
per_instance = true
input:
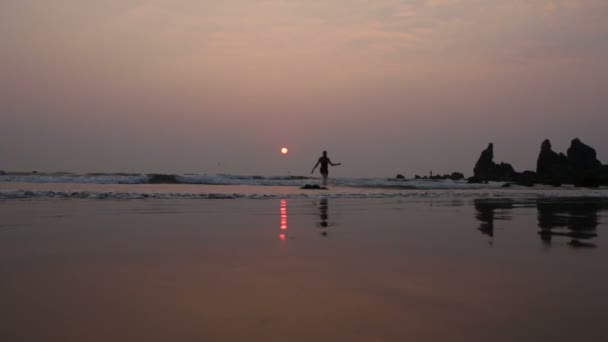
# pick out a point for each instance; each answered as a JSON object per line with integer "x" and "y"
{"x": 116, "y": 257}
{"x": 225, "y": 186}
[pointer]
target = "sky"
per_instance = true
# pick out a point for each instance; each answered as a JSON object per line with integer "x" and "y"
{"x": 385, "y": 86}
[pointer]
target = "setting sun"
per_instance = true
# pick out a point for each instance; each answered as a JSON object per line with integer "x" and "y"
{"x": 284, "y": 150}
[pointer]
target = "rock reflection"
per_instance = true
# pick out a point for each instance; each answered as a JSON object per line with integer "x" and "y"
{"x": 488, "y": 211}
{"x": 574, "y": 219}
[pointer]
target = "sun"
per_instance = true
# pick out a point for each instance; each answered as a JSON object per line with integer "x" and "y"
{"x": 284, "y": 150}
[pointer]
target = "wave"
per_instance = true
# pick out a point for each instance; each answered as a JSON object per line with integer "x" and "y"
{"x": 228, "y": 179}
{"x": 125, "y": 178}
{"x": 412, "y": 194}
{"x": 244, "y": 180}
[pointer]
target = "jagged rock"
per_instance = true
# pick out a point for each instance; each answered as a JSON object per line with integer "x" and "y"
{"x": 313, "y": 187}
{"x": 604, "y": 175}
{"x": 526, "y": 178}
{"x": 475, "y": 180}
{"x": 400, "y": 176}
{"x": 581, "y": 156}
{"x": 585, "y": 169}
{"x": 580, "y": 167}
{"x": 551, "y": 167}
{"x": 485, "y": 163}
{"x": 162, "y": 179}
{"x": 452, "y": 176}
{"x": 457, "y": 176}
{"x": 486, "y": 169}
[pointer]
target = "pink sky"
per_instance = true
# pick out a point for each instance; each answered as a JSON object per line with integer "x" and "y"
{"x": 385, "y": 86}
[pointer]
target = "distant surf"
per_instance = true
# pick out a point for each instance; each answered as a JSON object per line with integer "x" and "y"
{"x": 228, "y": 179}
{"x": 225, "y": 186}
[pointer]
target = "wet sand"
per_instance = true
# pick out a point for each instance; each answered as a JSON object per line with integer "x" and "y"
{"x": 418, "y": 269}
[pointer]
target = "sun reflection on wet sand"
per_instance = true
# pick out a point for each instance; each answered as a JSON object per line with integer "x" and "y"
{"x": 283, "y": 225}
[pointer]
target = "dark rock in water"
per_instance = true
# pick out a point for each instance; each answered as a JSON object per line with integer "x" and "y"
{"x": 2, "y": 172}
{"x": 486, "y": 169}
{"x": 313, "y": 187}
{"x": 526, "y": 178}
{"x": 604, "y": 175}
{"x": 400, "y": 176}
{"x": 417, "y": 177}
{"x": 457, "y": 176}
{"x": 485, "y": 162}
{"x": 580, "y": 167}
{"x": 581, "y": 156}
{"x": 475, "y": 180}
{"x": 551, "y": 167}
{"x": 503, "y": 172}
{"x": 452, "y": 176}
{"x": 162, "y": 179}
{"x": 584, "y": 167}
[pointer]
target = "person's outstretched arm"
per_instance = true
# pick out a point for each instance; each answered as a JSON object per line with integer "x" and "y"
{"x": 317, "y": 164}
{"x": 333, "y": 164}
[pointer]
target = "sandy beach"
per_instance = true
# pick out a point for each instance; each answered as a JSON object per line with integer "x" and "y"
{"x": 307, "y": 269}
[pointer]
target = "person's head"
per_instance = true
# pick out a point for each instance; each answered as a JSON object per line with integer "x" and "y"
{"x": 324, "y": 153}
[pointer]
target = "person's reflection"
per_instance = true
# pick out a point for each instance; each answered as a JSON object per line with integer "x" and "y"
{"x": 488, "y": 211}
{"x": 323, "y": 215}
{"x": 574, "y": 219}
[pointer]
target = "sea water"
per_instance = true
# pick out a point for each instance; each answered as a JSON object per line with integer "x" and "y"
{"x": 214, "y": 186}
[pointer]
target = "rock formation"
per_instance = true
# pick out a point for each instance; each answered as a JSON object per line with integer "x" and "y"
{"x": 551, "y": 167}
{"x": 585, "y": 169}
{"x": 487, "y": 170}
{"x": 580, "y": 167}
{"x": 313, "y": 187}
{"x": 162, "y": 179}
{"x": 582, "y": 157}
{"x": 457, "y": 176}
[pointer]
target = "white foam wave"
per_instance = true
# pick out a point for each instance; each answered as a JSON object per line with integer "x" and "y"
{"x": 75, "y": 178}
{"x": 111, "y": 195}
{"x": 226, "y": 179}
{"x": 369, "y": 184}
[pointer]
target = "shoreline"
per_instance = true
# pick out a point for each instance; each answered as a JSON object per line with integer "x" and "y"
{"x": 15, "y": 190}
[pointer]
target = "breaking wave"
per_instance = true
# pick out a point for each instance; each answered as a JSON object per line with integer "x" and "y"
{"x": 227, "y": 179}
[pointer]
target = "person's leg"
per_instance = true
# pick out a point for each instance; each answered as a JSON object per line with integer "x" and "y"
{"x": 324, "y": 178}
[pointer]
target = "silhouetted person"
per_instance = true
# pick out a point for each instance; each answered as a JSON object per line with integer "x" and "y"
{"x": 325, "y": 162}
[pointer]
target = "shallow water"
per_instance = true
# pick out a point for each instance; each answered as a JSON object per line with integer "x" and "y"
{"x": 318, "y": 269}
{"x": 32, "y": 190}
